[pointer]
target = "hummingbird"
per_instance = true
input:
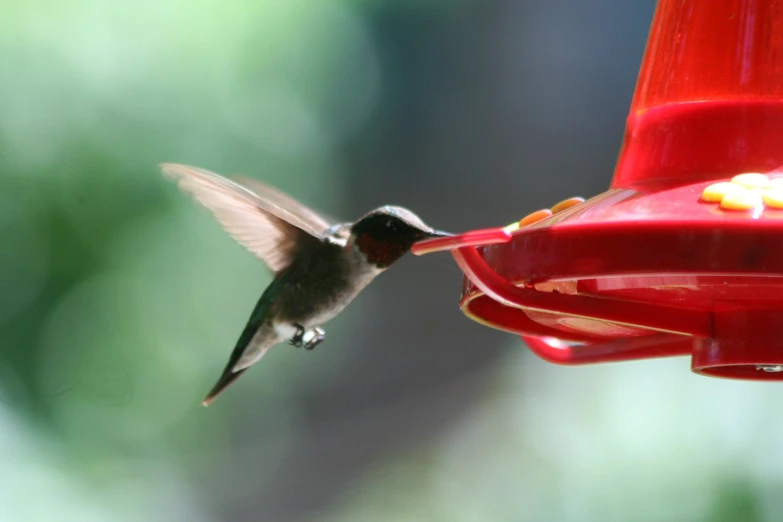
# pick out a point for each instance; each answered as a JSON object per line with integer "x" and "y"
{"x": 318, "y": 267}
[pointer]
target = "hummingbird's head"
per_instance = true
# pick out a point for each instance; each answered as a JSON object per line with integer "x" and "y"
{"x": 387, "y": 233}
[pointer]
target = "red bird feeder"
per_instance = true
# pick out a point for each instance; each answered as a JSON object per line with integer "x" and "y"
{"x": 684, "y": 254}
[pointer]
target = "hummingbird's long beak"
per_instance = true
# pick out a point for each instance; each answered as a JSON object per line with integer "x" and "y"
{"x": 432, "y": 234}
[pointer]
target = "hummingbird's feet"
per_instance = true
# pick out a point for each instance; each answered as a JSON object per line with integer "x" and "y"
{"x": 298, "y": 338}
{"x": 319, "y": 334}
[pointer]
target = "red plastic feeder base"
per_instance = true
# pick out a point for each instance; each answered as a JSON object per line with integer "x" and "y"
{"x": 666, "y": 262}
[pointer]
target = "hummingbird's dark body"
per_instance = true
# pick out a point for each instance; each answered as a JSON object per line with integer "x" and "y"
{"x": 319, "y": 269}
{"x": 315, "y": 281}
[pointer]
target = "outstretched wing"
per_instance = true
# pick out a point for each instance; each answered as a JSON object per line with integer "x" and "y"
{"x": 270, "y": 224}
{"x": 314, "y": 220}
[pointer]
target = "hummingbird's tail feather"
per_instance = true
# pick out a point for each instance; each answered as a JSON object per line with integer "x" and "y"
{"x": 226, "y": 379}
{"x": 260, "y": 344}
{"x": 256, "y": 339}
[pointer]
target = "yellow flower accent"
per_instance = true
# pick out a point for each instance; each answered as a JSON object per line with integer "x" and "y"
{"x": 751, "y": 180}
{"x": 566, "y": 204}
{"x": 538, "y": 215}
{"x": 773, "y": 196}
{"x": 717, "y": 191}
{"x": 746, "y": 192}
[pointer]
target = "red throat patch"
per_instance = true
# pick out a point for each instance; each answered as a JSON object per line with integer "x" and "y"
{"x": 380, "y": 253}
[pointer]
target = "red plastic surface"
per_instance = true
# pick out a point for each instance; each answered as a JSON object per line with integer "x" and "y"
{"x": 712, "y": 50}
{"x": 687, "y": 142}
{"x": 647, "y": 269}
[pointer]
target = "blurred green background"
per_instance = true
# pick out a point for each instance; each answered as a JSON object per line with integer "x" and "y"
{"x": 120, "y": 300}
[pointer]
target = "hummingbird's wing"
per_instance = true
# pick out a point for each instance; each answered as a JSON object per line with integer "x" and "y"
{"x": 316, "y": 220}
{"x": 271, "y": 225}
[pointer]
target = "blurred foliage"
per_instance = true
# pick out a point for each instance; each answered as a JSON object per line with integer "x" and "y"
{"x": 112, "y": 285}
